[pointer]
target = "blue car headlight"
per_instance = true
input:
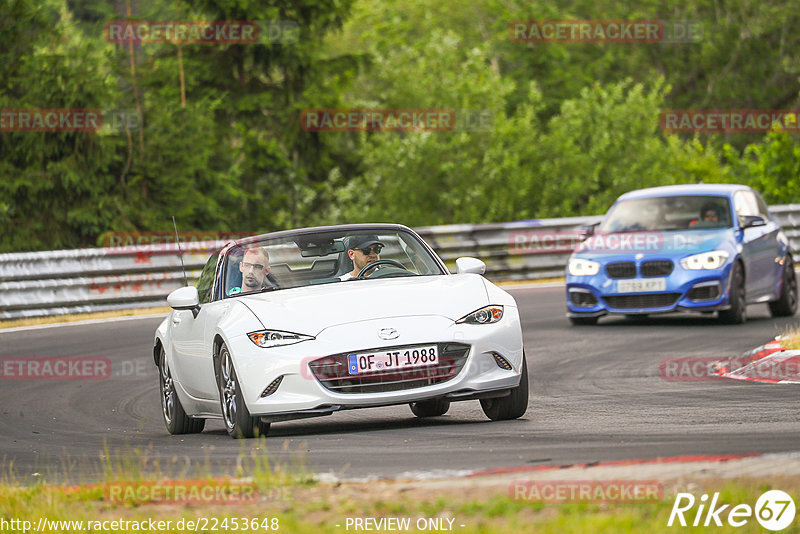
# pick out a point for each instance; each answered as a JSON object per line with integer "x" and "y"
{"x": 707, "y": 260}
{"x": 581, "y": 267}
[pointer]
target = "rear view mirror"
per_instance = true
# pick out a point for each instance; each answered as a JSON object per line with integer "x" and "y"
{"x": 313, "y": 249}
{"x": 588, "y": 230}
{"x": 750, "y": 221}
{"x": 467, "y": 264}
{"x": 185, "y": 298}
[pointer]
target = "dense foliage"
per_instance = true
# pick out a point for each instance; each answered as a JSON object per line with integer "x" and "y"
{"x": 220, "y": 144}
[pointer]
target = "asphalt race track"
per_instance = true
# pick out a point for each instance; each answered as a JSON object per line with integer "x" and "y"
{"x": 596, "y": 394}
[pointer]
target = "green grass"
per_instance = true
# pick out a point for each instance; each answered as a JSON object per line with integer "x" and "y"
{"x": 302, "y": 513}
{"x": 287, "y": 492}
{"x": 791, "y": 339}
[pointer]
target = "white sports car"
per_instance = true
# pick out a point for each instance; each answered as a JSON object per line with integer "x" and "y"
{"x": 303, "y": 323}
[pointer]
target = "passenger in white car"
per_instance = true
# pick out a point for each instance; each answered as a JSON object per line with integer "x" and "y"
{"x": 254, "y": 268}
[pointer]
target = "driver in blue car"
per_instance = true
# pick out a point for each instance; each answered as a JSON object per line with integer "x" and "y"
{"x": 711, "y": 216}
{"x": 363, "y": 250}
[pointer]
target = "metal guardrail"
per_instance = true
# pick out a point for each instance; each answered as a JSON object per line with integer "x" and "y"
{"x": 38, "y": 284}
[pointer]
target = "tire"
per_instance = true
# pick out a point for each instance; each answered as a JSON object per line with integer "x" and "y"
{"x": 175, "y": 418}
{"x": 786, "y": 305}
{"x": 238, "y": 421}
{"x": 514, "y": 405}
{"x": 583, "y": 321}
{"x": 430, "y": 408}
{"x": 737, "y": 313}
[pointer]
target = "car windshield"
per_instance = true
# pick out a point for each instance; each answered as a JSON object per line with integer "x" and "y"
{"x": 668, "y": 213}
{"x": 324, "y": 257}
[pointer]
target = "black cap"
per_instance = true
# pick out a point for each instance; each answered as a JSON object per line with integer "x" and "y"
{"x": 360, "y": 241}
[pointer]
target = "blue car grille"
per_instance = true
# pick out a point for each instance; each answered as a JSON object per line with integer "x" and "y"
{"x": 705, "y": 292}
{"x": 582, "y": 298}
{"x": 657, "y": 268}
{"x": 642, "y": 300}
{"x": 621, "y": 269}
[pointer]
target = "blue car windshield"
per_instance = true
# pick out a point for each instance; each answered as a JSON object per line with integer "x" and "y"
{"x": 668, "y": 213}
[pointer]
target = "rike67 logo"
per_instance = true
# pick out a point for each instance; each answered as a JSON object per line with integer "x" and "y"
{"x": 774, "y": 510}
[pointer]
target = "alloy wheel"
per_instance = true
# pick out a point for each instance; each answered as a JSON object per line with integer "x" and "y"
{"x": 228, "y": 377}
{"x": 167, "y": 390}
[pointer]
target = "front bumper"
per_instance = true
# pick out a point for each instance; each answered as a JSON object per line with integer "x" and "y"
{"x": 686, "y": 290}
{"x": 301, "y": 392}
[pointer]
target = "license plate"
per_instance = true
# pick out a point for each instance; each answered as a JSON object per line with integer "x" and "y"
{"x": 391, "y": 360}
{"x": 641, "y": 286}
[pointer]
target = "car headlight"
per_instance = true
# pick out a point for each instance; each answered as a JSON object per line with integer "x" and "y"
{"x": 487, "y": 315}
{"x": 276, "y": 338}
{"x": 579, "y": 267}
{"x": 707, "y": 260}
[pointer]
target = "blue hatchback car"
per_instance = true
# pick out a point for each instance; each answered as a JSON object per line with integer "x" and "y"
{"x": 702, "y": 248}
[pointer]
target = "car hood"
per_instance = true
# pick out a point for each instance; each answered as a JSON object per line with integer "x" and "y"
{"x": 683, "y": 243}
{"x": 311, "y": 309}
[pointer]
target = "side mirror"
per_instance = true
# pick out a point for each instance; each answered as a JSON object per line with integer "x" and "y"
{"x": 185, "y": 298}
{"x": 588, "y": 230}
{"x": 750, "y": 221}
{"x": 465, "y": 264}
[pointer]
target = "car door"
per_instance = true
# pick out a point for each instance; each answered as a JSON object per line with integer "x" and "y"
{"x": 758, "y": 246}
{"x": 192, "y": 346}
{"x": 773, "y": 269}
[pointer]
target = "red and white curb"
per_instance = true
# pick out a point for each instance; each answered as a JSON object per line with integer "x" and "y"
{"x": 770, "y": 363}
{"x": 671, "y": 467}
{"x": 674, "y": 473}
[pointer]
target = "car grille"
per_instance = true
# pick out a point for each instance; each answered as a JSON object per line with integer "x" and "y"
{"x": 502, "y": 362}
{"x": 644, "y": 300}
{"x": 621, "y": 269}
{"x": 332, "y": 372}
{"x": 272, "y": 387}
{"x": 707, "y": 292}
{"x": 582, "y": 298}
{"x": 656, "y": 268}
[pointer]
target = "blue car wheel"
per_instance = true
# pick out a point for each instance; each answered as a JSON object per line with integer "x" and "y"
{"x": 786, "y": 305}
{"x": 583, "y": 321}
{"x": 737, "y": 313}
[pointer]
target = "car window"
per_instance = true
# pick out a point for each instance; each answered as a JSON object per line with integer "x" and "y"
{"x": 320, "y": 258}
{"x": 763, "y": 210}
{"x": 205, "y": 283}
{"x": 745, "y": 204}
{"x": 668, "y": 213}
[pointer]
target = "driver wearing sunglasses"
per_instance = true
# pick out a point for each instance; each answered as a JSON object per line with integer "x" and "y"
{"x": 363, "y": 250}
